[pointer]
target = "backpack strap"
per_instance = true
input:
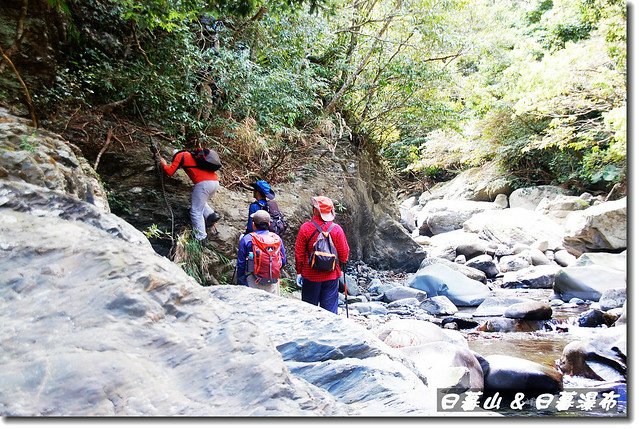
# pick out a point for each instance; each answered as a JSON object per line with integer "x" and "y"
{"x": 319, "y": 230}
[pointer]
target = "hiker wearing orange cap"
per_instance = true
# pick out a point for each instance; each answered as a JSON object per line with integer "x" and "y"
{"x": 319, "y": 249}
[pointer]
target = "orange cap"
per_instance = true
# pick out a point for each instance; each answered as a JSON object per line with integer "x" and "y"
{"x": 325, "y": 206}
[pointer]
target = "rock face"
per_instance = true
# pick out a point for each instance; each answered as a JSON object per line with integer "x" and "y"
{"x": 104, "y": 326}
{"x": 598, "y": 228}
{"x": 438, "y": 279}
{"x": 43, "y": 159}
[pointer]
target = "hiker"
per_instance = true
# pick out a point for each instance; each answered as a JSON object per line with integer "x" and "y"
{"x": 264, "y": 197}
{"x": 260, "y": 256}
{"x": 318, "y": 255}
{"x": 205, "y": 182}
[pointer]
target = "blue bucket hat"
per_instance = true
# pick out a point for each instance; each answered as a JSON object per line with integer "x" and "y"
{"x": 263, "y": 187}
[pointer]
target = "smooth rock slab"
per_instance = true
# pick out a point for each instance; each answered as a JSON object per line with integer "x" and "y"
{"x": 438, "y": 279}
{"x": 616, "y": 261}
{"x": 405, "y": 333}
{"x": 587, "y": 282}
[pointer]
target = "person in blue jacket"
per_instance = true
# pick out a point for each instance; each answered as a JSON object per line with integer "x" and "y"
{"x": 261, "y": 192}
{"x": 261, "y": 221}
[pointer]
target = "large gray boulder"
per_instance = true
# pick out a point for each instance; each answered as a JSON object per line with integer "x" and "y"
{"x": 41, "y": 158}
{"x": 468, "y": 271}
{"x": 587, "y": 282}
{"x": 539, "y": 277}
{"x": 612, "y": 298}
{"x": 103, "y": 326}
{"x": 439, "y": 216}
{"x": 599, "y": 228}
{"x": 560, "y": 206}
{"x": 393, "y": 248}
{"x": 532, "y": 310}
{"x": 510, "y": 374}
{"x": 515, "y": 225}
{"x": 438, "y": 306}
{"x": 403, "y": 292}
{"x": 438, "y": 279}
{"x": 482, "y": 183}
{"x": 484, "y": 263}
{"x": 529, "y": 198}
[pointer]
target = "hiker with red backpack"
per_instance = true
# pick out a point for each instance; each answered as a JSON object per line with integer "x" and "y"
{"x": 201, "y": 166}
{"x": 264, "y": 196}
{"x": 319, "y": 249}
{"x": 260, "y": 256}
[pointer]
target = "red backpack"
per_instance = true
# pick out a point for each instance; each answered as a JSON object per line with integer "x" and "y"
{"x": 267, "y": 257}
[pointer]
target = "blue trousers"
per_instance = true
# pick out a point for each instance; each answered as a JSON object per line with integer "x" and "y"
{"x": 322, "y": 293}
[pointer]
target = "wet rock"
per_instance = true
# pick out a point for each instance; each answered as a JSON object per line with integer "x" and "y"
{"x": 438, "y": 279}
{"x": 462, "y": 323}
{"x": 438, "y": 306}
{"x": 372, "y": 308}
{"x": 577, "y": 301}
{"x": 563, "y": 258}
{"x": 504, "y": 324}
{"x": 403, "y": 292}
{"x": 507, "y": 373}
{"x": 539, "y": 277}
{"x": 556, "y": 303}
{"x": 485, "y": 264}
{"x": 515, "y": 225}
{"x": 514, "y": 263}
{"x": 405, "y": 333}
{"x": 616, "y": 261}
{"x": 470, "y": 272}
{"x": 587, "y": 282}
{"x": 460, "y": 259}
{"x": 496, "y": 305}
{"x": 531, "y": 310}
{"x": 447, "y": 365}
{"x": 598, "y": 228}
{"x": 529, "y": 198}
{"x": 601, "y": 358}
{"x": 594, "y": 318}
{"x": 612, "y": 298}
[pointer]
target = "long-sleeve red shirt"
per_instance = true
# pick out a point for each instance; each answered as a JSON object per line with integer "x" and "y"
{"x": 196, "y": 175}
{"x": 304, "y": 246}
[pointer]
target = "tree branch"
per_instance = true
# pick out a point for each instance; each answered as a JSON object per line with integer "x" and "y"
{"x": 34, "y": 118}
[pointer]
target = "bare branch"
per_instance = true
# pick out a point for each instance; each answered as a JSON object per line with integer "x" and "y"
{"x": 34, "y": 118}
{"x": 106, "y": 145}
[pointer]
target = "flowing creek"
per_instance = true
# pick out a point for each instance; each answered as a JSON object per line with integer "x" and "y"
{"x": 541, "y": 346}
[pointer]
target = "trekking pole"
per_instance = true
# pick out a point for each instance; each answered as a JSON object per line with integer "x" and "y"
{"x": 345, "y": 290}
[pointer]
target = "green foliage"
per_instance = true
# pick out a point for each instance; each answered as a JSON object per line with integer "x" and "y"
{"x": 118, "y": 204}
{"x": 154, "y": 231}
{"x": 29, "y": 143}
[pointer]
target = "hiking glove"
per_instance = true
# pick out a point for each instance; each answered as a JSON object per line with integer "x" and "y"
{"x": 299, "y": 280}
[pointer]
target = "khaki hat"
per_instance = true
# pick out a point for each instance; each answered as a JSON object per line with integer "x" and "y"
{"x": 325, "y": 206}
{"x": 261, "y": 216}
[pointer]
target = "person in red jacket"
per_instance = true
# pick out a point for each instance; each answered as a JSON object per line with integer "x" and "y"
{"x": 320, "y": 286}
{"x": 206, "y": 183}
